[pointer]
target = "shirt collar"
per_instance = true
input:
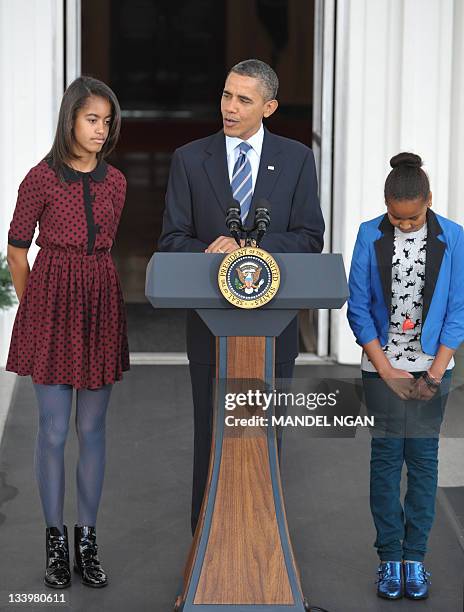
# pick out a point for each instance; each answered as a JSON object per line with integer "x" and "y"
{"x": 98, "y": 174}
{"x": 255, "y": 141}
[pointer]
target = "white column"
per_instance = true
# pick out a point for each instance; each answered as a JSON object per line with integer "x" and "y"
{"x": 393, "y": 93}
{"x": 456, "y": 155}
{"x": 31, "y": 77}
{"x": 426, "y": 89}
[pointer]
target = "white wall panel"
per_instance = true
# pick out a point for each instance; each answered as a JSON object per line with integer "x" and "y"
{"x": 31, "y": 77}
{"x": 456, "y": 153}
{"x": 393, "y": 92}
{"x": 426, "y": 89}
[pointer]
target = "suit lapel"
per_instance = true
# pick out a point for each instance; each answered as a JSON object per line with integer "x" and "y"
{"x": 270, "y": 167}
{"x": 216, "y": 168}
{"x": 434, "y": 256}
{"x": 384, "y": 254}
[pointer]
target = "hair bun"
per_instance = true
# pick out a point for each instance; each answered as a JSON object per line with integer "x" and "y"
{"x": 406, "y": 159}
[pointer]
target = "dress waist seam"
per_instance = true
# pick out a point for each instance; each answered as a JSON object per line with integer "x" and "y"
{"x": 75, "y": 251}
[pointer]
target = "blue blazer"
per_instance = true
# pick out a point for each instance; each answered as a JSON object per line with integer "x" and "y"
{"x": 370, "y": 283}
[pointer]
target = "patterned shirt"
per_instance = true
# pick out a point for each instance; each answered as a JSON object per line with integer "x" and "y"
{"x": 403, "y": 348}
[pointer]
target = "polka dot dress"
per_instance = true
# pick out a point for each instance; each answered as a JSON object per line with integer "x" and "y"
{"x": 70, "y": 327}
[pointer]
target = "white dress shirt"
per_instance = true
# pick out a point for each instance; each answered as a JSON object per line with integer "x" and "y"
{"x": 254, "y": 154}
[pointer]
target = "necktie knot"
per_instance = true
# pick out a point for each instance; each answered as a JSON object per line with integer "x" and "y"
{"x": 244, "y": 147}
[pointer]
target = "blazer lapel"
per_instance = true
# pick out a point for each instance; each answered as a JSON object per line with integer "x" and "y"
{"x": 435, "y": 250}
{"x": 384, "y": 254}
{"x": 215, "y": 166}
{"x": 270, "y": 166}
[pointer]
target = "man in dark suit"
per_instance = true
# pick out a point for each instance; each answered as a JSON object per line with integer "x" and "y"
{"x": 245, "y": 161}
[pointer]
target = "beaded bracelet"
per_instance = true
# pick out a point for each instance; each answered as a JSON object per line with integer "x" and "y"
{"x": 432, "y": 383}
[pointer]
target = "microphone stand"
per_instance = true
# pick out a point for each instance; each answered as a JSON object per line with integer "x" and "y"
{"x": 235, "y": 225}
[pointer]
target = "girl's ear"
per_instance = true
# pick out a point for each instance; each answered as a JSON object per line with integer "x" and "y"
{"x": 429, "y": 201}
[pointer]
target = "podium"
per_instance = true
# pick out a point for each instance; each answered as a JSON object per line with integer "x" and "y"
{"x": 241, "y": 558}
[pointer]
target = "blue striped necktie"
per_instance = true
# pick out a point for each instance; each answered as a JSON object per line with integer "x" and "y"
{"x": 241, "y": 183}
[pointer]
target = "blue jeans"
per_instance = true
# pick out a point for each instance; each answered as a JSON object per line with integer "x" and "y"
{"x": 402, "y": 533}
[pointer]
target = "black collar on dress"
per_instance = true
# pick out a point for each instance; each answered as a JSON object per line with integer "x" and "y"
{"x": 434, "y": 255}
{"x": 98, "y": 174}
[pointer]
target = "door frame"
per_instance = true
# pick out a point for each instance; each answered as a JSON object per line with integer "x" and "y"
{"x": 72, "y": 43}
{"x": 322, "y": 138}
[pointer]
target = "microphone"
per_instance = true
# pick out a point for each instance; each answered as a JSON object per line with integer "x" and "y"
{"x": 262, "y": 219}
{"x": 234, "y": 220}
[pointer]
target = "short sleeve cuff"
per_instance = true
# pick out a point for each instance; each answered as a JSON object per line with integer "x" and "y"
{"x": 451, "y": 342}
{"x": 22, "y": 244}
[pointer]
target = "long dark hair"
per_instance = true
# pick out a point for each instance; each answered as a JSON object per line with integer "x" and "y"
{"x": 74, "y": 98}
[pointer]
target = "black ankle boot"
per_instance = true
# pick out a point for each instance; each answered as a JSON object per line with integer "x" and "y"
{"x": 86, "y": 561}
{"x": 57, "y": 573}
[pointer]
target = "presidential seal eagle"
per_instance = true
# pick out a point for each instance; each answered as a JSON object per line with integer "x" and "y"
{"x": 249, "y": 274}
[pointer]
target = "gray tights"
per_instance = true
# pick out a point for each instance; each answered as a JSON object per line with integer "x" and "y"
{"x": 55, "y": 403}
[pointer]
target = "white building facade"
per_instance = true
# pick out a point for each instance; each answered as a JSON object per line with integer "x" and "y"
{"x": 390, "y": 78}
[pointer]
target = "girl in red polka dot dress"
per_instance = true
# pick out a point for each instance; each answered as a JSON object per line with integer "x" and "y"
{"x": 70, "y": 328}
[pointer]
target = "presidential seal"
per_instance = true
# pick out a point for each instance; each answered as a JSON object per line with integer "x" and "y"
{"x": 249, "y": 277}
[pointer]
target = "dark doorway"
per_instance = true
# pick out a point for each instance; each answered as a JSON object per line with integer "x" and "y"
{"x": 167, "y": 61}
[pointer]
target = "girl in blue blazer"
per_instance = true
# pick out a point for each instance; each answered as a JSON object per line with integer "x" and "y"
{"x": 406, "y": 309}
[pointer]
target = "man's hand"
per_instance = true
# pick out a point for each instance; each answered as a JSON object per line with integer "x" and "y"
{"x": 400, "y": 382}
{"x": 223, "y": 244}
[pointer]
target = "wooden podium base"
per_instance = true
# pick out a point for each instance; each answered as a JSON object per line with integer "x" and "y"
{"x": 241, "y": 558}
